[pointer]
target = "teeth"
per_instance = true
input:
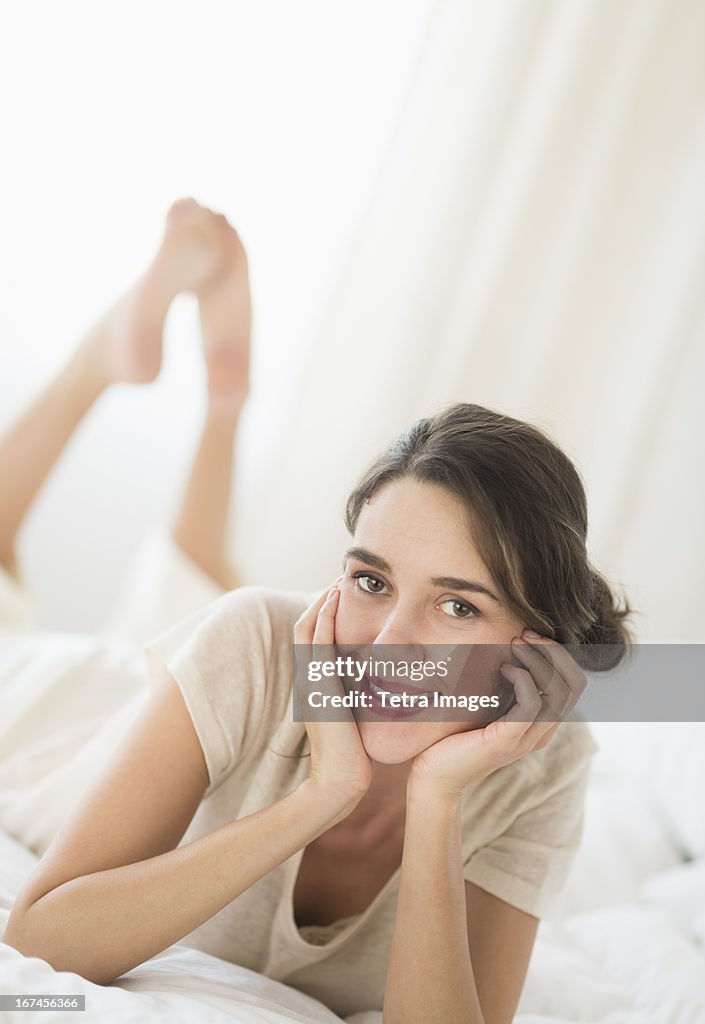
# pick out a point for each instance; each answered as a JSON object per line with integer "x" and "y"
{"x": 412, "y": 697}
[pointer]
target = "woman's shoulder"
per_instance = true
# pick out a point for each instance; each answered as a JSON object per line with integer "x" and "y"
{"x": 562, "y": 766}
{"x": 267, "y": 610}
{"x": 566, "y": 757}
{"x": 232, "y": 662}
{"x": 522, "y": 824}
{"x": 246, "y": 632}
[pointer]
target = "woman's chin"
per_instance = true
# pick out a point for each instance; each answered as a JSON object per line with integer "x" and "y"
{"x": 388, "y": 743}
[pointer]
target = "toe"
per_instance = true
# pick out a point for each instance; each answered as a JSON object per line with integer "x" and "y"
{"x": 183, "y": 208}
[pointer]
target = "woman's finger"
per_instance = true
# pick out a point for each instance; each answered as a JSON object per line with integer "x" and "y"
{"x": 305, "y": 625}
{"x": 542, "y": 670}
{"x": 324, "y": 632}
{"x": 539, "y": 726}
{"x": 562, "y": 661}
{"x": 555, "y": 690}
{"x": 521, "y": 717}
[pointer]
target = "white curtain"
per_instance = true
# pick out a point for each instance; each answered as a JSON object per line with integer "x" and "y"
{"x": 273, "y": 112}
{"x": 535, "y": 242}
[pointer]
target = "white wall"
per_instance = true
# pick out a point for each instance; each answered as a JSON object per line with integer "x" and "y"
{"x": 276, "y": 113}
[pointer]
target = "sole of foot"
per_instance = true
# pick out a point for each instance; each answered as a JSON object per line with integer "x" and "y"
{"x": 126, "y": 345}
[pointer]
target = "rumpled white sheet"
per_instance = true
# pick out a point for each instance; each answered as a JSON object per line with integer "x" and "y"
{"x": 180, "y": 985}
{"x": 639, "y": 961}
{"x": 627, "y": 945}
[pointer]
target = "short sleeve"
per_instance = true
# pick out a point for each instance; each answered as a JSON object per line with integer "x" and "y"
{"x": 223, "y": 659}
{"x": 527, "y": 863}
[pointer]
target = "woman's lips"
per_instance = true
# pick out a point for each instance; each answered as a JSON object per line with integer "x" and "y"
{"x": 394, "y": 687}
{"x": 374, "y": 701}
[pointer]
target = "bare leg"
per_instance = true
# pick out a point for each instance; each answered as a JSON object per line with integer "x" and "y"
{"x": 32, "y": 445}
{"x": 124, "y": 346}
{"x": 201, "y": 524}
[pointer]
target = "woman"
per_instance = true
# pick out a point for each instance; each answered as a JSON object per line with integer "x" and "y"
{"x": 392, "y": 863}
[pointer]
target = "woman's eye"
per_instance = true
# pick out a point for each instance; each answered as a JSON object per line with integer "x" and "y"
{"x": 370, "y": 584}
{"x": 458, "y": 609}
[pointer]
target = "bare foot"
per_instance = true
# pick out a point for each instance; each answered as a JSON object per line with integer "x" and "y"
{"x": 126, "y": 345}
{"x": 226, "y": 322}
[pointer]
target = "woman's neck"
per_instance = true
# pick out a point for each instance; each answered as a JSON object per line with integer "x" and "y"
{"x": 385, "y": 799}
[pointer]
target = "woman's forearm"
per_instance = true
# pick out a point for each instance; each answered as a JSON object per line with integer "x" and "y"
{"x": 430, "y": 977}
{"x": 104, "y": 924}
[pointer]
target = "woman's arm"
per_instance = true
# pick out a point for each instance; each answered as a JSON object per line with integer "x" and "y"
{"x": 112, "y": 891}
{"x": 458, "y": 955}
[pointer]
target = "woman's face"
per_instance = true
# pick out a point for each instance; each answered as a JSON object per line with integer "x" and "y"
{"x": 413, "y": 576}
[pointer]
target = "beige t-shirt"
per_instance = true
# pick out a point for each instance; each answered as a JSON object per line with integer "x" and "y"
{"x": 233, "y": 664}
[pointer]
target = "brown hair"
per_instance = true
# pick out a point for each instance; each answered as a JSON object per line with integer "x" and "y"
{"x": 529, "y": 515}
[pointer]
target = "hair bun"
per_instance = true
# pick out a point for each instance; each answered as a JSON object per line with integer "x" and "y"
{"x": 601, "y": 647}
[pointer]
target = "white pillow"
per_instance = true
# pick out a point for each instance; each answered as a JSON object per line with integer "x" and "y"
{"x": 666, "y": 759}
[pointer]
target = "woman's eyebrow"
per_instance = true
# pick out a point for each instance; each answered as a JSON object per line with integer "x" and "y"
{"x": 452, "y": 582}
{"x": 363, "y": 555}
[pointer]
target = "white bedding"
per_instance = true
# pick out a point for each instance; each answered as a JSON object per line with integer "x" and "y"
{"x": 627, "y": 944}
{"x": 637, "y": 962}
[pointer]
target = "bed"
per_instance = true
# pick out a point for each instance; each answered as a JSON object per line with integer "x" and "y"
{"x": 625, "y": 945}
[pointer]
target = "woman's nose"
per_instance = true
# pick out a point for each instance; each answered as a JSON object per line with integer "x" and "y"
{"x": 402, "y": 632}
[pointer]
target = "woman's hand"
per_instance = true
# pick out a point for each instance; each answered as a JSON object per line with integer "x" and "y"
{"x": 546, "y": 689}
{"x": 340, "y": 767}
